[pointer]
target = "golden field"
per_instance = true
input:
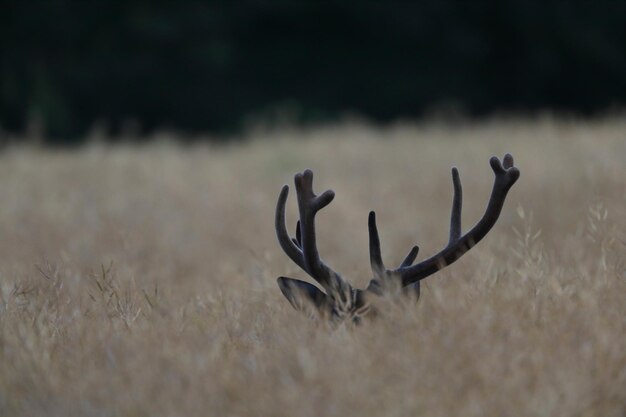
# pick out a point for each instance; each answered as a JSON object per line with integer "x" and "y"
{"x": 139, "y": 280}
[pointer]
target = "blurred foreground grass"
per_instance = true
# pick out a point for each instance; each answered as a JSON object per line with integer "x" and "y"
{"x": 140, "y": 280}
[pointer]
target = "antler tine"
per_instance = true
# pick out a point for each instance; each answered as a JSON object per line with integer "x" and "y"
{"x": 376, "y": 260}
{"x": 286, "y": 242}
{"x": 309, "y": 204}
{"x": 505, "y": 176}
{"x": 410, "y": 257}
{"x": 457, "y": 204}
{"x": 381, "y": 274}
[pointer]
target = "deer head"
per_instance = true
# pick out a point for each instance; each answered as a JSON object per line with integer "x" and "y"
{"x": 340, "y": 301}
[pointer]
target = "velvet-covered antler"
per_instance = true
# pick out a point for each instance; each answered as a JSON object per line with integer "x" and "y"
{"x": 340, "y": 299}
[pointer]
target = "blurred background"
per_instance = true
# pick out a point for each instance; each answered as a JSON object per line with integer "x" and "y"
{"x": 68, "y": 67}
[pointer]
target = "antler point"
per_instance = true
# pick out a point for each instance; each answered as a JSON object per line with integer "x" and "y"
{"x": 508, "y": 161}
{"x": 496, "y": 165}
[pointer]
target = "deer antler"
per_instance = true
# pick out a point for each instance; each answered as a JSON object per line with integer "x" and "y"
{"x": 340, "y": 299}
{"x": 303, "y": 249}
{"x": 505, "y": 176}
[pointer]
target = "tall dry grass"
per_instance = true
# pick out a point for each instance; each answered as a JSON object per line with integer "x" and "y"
{"x": 140, "y": 280}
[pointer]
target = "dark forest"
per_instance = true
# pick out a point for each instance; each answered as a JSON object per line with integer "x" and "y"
{"x": 213, "y": 67}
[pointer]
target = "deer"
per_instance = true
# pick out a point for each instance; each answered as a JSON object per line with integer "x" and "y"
{"x": 340, "y": 302}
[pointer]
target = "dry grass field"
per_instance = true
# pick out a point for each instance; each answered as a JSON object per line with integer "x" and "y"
{"x": 139, "y": 280}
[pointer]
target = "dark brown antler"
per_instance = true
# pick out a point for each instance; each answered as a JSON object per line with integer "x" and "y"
{"x": 383, "y": 276}
{"x": 340, "y": 300}
{"x": 303, "y": 249}
{"x": 505, "y": 176}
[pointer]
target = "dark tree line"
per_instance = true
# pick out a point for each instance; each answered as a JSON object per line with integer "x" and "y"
{"x": 199, "y": 66}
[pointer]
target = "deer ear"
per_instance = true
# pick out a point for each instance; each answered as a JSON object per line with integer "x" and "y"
{"x": 302, "y": 295}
